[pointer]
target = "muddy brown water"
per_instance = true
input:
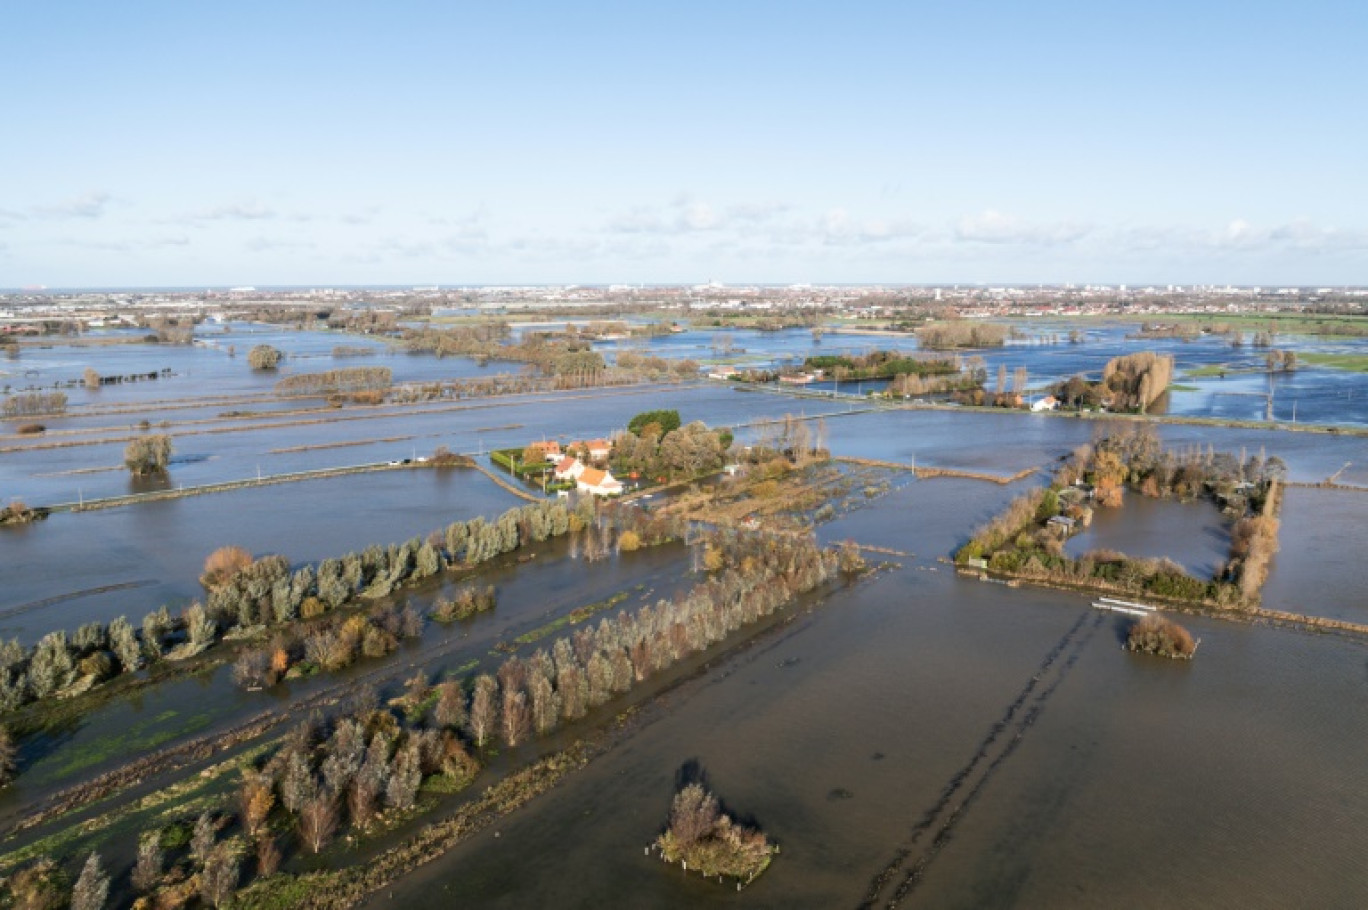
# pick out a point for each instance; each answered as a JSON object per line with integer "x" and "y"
{"x": 968, "y": 745}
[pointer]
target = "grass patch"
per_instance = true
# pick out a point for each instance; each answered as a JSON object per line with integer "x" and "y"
{"x": 281, "y": 891}
{"x": 1177, "y": 387}
{"x": 577, "y": 615}
{"x": 1357, "y": 363}
{"x": 141, "y": 737}
{"x": 1202, "y": 372}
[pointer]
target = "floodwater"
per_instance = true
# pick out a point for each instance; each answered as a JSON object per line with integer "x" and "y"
{"x": 984, "y": 746}
{"x": 156, "y": 550}
{"x": 529, "y": 595}
{"x": 994, "y": 744}
{"x": 1193, "y": 534}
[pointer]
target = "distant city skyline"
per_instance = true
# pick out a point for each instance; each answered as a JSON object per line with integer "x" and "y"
{"x": 310, "y": 144}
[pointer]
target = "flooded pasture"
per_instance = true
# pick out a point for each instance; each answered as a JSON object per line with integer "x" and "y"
{"x": 913, "y": 738}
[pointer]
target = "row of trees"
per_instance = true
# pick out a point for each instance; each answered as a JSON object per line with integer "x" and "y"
{"x": 324, "y": 777}
{"x": 374, "y": 761}
{"x": 533, "y": 695}
{"x": 881, "y": 365}
{"x": 347, "y": 379}
{"x": 263, "y": 594}
{"x": 327, "y": 646}
{"x": 648, "y": 366}
{"x": 943, "y": 336}
{"x": 29, "y": 404}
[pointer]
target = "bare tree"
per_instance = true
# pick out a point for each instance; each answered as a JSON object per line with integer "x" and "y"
{"x": 516, "y": 717}
{"x": 202, "y": 841}
{"x": 483, "y": 709}
{"x": 219, "y": 878}
{"x": 257, "y": 798}
{"x": 8, "y": 756}
{"x": 147, "y": 871}
{"x": 450, "y": 708}
{"x": 267, "y": 856}
{"x": 693, "y": 815}
{"x": 92, "y": 888}
{"x": 318, "y": 821}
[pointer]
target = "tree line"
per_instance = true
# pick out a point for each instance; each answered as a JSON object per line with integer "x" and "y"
{"x": 943, "y": 336}
{"x": 346, "y": 379}
{"x": 31, "y": 404}
{"x": 265, "y": 594}
{"x": 369, "y": 765}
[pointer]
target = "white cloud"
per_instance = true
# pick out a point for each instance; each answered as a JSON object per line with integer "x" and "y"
{"x": 756, "y": 211}
{"x": 995, "y": 227}
{"x": 87, "y": 205}
{"x": 241, "y": 211}
{"x": 276, "y": 244}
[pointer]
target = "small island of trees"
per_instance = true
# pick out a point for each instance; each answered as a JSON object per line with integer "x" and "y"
{"x": 148, "y": 455}
{"x": 264, "y": 357}
{"x": 1157, "y": 635}
{"x": 703, "y": 838}
{"x": 1027, "y": 540}
{"x": 1130, "y": 383}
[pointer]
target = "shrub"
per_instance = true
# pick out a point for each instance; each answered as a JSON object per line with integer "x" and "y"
{"x": 264, "y": 357}
{"x": 148, "y": 455}
{"x": 629, "y": 541}
{"x": 1155, "y": 634}
{"x": 223, "y": 564}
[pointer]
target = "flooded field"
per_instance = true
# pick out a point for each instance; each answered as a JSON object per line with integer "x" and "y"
{"x": 992, "y": 747}
{"x": 1194, "y": 535}
{"x": 910, "y": 738}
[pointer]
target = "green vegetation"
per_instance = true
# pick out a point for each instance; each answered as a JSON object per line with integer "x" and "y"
{"x": 880, "y": 365}
{"x": 515, "y": 462}
{"x": 660, "y": 448}
{"x": 144, "y": 736}
{"x": 703, "y": 839}
{"x": 577, "y": 615}
{"x": 657, "y": 422}
{"x": 1357, "y": 363}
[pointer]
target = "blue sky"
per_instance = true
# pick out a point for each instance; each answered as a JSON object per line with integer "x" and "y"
{"x": 333, "y": 143}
